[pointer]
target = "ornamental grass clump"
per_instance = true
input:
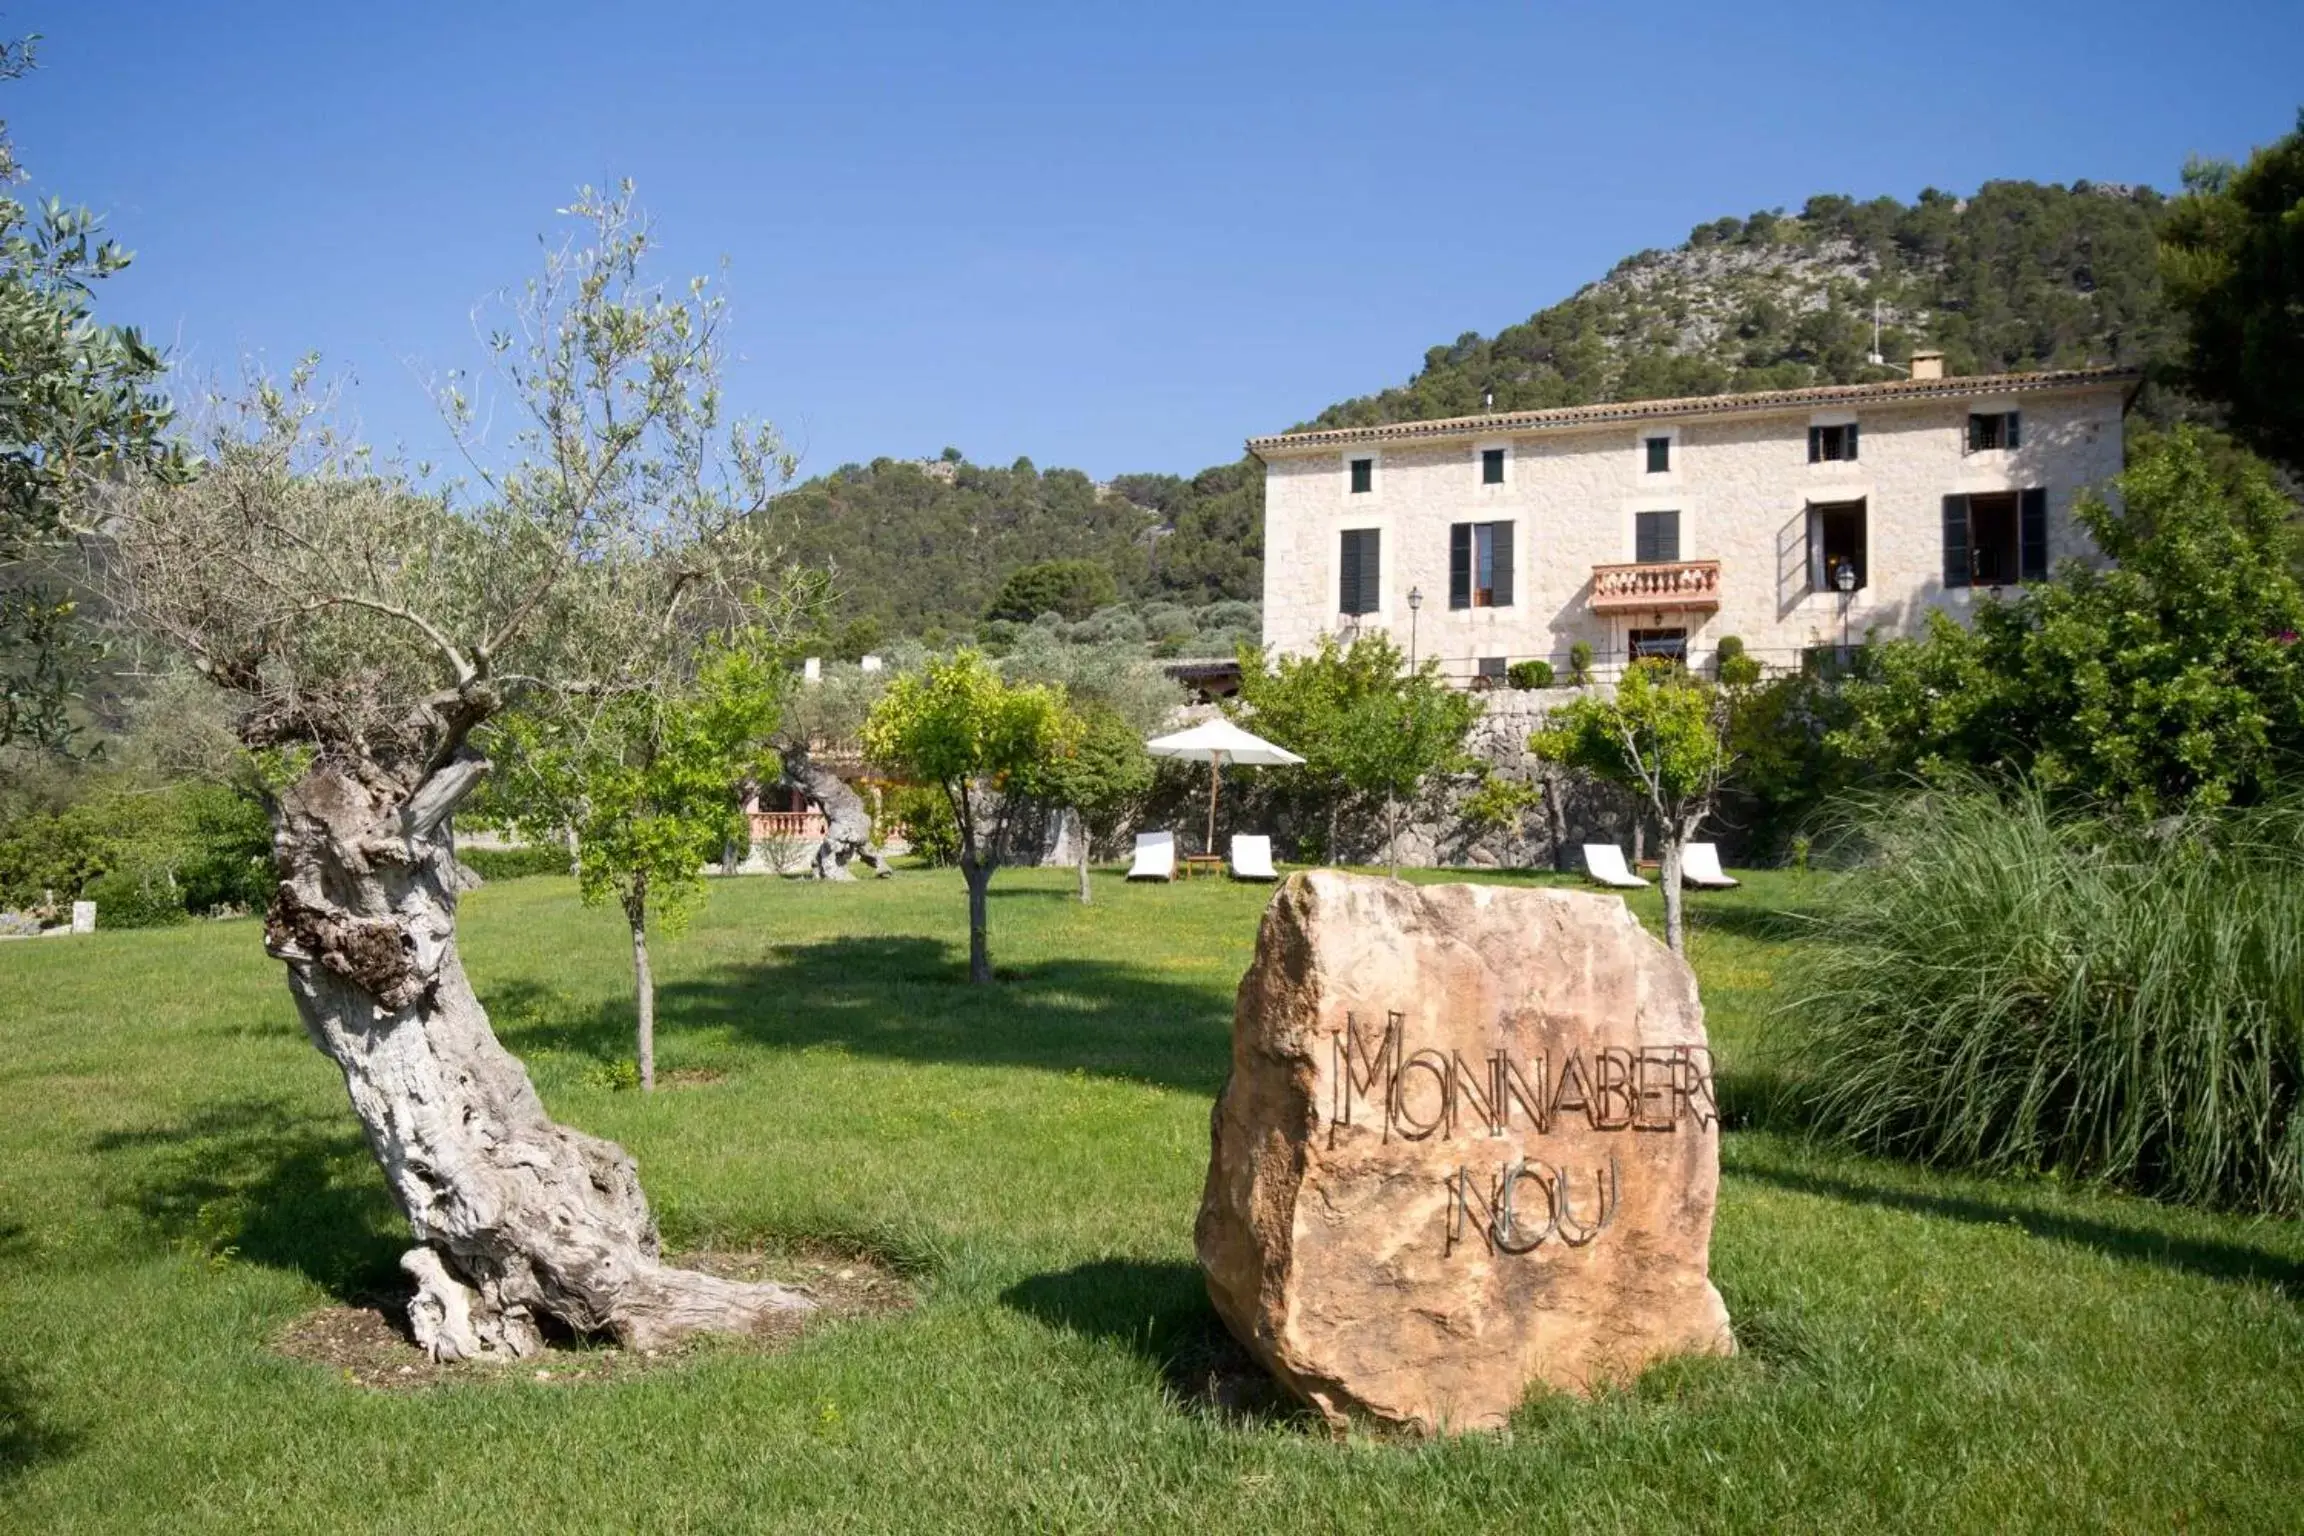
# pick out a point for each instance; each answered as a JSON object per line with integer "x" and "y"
{"x": 2011, "y": 987}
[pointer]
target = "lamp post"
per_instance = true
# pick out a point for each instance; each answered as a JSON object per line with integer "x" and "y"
{"x": 1415, "y": 602}
{"x": 1845, "y": 579}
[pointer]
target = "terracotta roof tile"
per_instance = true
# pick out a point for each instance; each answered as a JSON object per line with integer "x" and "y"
{"x": 1958, "y": 386}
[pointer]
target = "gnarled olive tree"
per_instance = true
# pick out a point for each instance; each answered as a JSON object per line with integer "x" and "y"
{"x": 363, "y": 632}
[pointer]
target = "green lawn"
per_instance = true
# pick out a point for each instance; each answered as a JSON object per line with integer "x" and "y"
{"x": 179, "y": 1178}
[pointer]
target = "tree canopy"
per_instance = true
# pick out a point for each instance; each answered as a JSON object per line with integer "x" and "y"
{"x": 79, "y": 403}
{"x": 1662, "y": 734}
{"x": 2169, "y": 681}
{"x": 2233, "y": 251}
{"x": 956, "y": 724}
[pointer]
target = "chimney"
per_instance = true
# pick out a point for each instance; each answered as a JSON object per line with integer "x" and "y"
{"x": 1927, "y": 365}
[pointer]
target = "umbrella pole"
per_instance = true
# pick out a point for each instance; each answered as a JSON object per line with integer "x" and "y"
{"x": 1214, "y": 788}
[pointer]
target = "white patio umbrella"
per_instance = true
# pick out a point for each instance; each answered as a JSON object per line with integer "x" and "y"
{"x": 1221, "y": 742}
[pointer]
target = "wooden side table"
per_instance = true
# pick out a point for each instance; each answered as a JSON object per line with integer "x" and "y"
{"x": 1203, "y": 864}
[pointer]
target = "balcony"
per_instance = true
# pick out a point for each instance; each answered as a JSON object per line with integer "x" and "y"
{"x": 1661, "y": 587}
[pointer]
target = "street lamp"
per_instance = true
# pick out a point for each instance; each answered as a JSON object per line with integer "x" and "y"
{"x": 1845, "y": 579}
{"x": 1415, "y": 602}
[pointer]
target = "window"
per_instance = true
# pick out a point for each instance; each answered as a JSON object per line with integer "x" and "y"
{"x": 1671, "y": 644}
{"x": 1363, "y": 476}
{"x": 1480, "y": 565}
{"x": 1831, "y": 445}
{"x": 1655, "y": 537}
{"x": 2000, "y": 429}
{"x": 1491, "y": 672}
{"x": 1835, "y": 542}
{"x": 1491, "y": 466}
{"x": 1996, "y": 539}
{"x": 1659, "y": 455}
{"x": 1360, "y": 588}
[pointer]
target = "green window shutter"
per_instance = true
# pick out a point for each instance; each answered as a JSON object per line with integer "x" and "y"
{"x": 1501, "y": 536}
{"x": 1849, "y": 442}
{"x": 1348, "y": 589}
{"x": 1815, "y": 445}
{"x": 1371, "y": 570}
{"x": 1975, "y": 433}
{"x": 1955, "y": 541}
{"x": 2015, "y": 429}
{"x": 1460, "y": 565}
{"x": 2031, "y": 532}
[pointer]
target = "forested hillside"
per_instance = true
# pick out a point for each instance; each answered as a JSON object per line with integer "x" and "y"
{"x": 2020, "y": 275}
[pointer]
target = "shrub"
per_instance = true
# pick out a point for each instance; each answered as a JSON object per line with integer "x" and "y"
{"x": 1580, "y": 663}
{"x": 1733, "y": 668}
{"x": 135, "y": 898}
{"x": 2010, "y": 987}
{"x": 926, "y": 817}
{"x": 227, "y": 856}
{"x": 1529, "y": 674}
{"x": 515, "y": 863}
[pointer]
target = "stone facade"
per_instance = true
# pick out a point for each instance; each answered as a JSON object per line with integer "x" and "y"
{"x": 1740, "y": 478}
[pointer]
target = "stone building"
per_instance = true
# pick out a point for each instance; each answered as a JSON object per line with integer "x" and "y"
{"x": 1792, "y": 519}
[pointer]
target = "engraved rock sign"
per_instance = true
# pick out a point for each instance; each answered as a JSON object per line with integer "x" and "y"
{"x": 1469, "y": 1144}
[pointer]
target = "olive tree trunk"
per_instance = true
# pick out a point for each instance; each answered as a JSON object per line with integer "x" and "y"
{"x": 1080, "y": 826}
{"x": 516, "y": 1219}
{"x": 847, "y": 823}
{"x": 643, "y": 984}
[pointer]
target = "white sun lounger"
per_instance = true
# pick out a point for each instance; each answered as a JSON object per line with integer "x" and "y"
{"x": 1252, "y": 858}
{"x": 1604, "y": 862}
{"x": 1155, "y": 857}
{"x": 1700, "y": 867}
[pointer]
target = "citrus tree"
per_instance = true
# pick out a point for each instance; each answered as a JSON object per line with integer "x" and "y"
{"x": 1663, "y": 736}
{"x": 957, "y": 725}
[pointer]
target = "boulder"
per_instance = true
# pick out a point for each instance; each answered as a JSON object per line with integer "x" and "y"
{"x": 1469, "y": 1145}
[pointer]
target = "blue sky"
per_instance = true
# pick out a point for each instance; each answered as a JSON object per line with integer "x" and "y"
{"x": 1114, "y": 237}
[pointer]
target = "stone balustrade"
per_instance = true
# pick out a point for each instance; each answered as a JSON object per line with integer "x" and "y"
{"x": 1657, "y": 586}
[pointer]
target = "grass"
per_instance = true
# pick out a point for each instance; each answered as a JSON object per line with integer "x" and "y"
{"x": 179, "y": 1179}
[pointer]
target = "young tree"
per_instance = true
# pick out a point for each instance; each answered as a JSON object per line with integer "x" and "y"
{"x": 1333, "y": 706}
{"x": 956, "y": 725}
{"x": 646, "y": 785}
{"x": 1662, "y": 736}
{"x": 364, "y": 632}
{"x": 1101, "y": 775}
{"x": 1389, "y": 743}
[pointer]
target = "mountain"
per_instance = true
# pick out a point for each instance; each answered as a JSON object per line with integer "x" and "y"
{"x": 2020, "y": 275}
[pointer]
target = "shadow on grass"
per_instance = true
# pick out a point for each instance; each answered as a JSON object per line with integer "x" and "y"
{"x": 256, "y": 1181}
{"x": 26, "y": 1437}
{"x": 1766, "y": 925}
{"x": 906, "y": 998}
{"x": 2208, "y": 1257}
{"x": 1161, "y": 1311}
